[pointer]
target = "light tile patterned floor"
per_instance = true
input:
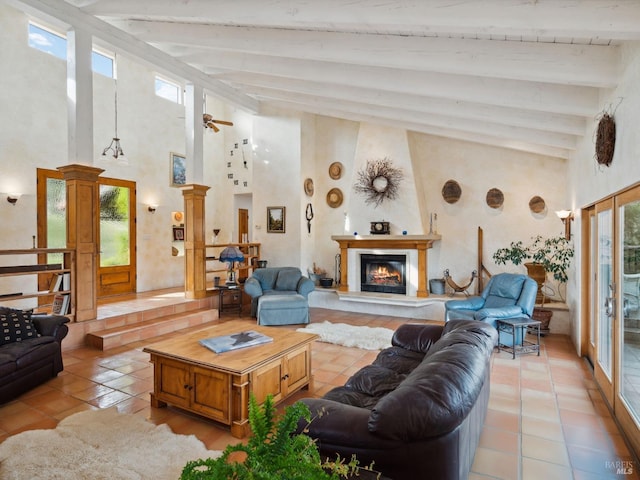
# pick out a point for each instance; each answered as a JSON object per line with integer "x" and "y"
{"x": 546, "y": 418}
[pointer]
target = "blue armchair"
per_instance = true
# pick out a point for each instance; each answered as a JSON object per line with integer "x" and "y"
{"x": 507, "y": 295}
{"x": 279, "y": 295}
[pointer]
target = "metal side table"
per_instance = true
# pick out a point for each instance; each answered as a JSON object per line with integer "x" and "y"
{"x": 513, "y": 326}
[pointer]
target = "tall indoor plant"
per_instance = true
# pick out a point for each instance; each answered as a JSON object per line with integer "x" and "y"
{"x": 546, "y": 255}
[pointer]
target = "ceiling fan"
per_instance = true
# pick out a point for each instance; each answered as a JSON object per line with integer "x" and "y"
{"x": 210, "y": 122}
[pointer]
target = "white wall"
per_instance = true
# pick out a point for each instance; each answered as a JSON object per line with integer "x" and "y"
{"x": 284, "y": 148}
{"x": 428, "y": 162}
{"x": 33, "y": 112}
{"x": 591, "y": 182}
{"x": 277, "y": 182}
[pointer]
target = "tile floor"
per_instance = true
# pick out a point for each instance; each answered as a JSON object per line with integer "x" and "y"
{"x": 546, "y": 418}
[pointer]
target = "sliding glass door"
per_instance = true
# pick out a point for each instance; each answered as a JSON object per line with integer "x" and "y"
{"x": 613, "y": 254}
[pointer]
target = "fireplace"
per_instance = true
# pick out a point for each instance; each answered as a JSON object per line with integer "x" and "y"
{"x": 383, "y": 273}
{"x": 413, "y": 247}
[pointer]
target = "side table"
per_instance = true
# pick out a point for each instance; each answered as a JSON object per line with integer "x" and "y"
{"x": 515, "y": 326}
{"x": 229, "y": 299}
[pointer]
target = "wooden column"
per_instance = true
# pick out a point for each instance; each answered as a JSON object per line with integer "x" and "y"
{"x": 195, "y": 278}
{"x": 344, "y": 262}
{"x": 422, "y": 270}
{"x": 82, "y": 235}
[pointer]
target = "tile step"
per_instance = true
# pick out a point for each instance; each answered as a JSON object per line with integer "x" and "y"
{"x": 142, "y": 330}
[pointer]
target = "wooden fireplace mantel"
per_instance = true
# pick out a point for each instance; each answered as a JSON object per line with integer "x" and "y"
{"x": 389, "y": 242}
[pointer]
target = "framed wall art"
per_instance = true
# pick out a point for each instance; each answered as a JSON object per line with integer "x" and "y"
{"x": 276, "y": 219}
{"x": 178, "y": 234}
{"x": 177, "y": 170}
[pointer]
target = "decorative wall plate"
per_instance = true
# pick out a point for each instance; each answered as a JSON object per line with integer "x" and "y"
{"x": 308, "y": 187}
{"x": 495, "y": 198}
{"x": 335, "y": 170}
{"x": 334, "y": 198}
{"x": 537, "y": 205}
{"x": 451, "y": 191}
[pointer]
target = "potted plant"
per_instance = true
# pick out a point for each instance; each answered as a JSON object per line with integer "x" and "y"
{"x": 546, "y": 255}
{"x": 273, "y": 452}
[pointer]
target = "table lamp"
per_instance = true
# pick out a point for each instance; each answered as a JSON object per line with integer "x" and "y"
{"x": 231, "y": 255}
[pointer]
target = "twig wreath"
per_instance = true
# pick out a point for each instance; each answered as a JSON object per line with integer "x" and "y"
{"x": 605, "y": 140}
{"x": 378, "y": 181}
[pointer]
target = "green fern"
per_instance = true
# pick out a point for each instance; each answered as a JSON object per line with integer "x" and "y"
{"x": 273, "y": 452}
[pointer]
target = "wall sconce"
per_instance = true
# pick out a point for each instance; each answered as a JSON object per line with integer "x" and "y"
{"x": 152, "y": 208}
{"x": 13, "y": 198}
{"x": 567, "y": 217}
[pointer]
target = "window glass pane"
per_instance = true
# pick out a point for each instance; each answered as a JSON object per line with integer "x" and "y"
{"x": 630, "y": 364}
{"x": 56, "y": 45}
{"x": 168, "y": 90}
{"x": 56, "y": 217}
{"x": 102, "y": 64}
{"x": 605, "y": 280}
{"x": 47, "y": 42}
{"x": 114, "y": 226}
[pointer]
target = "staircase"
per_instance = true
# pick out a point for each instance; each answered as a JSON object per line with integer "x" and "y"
{"x": 150, "y": 321}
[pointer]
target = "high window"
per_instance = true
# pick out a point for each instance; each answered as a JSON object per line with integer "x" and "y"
{"x": 48, "y": 41}
{"x": 168, "y": 90}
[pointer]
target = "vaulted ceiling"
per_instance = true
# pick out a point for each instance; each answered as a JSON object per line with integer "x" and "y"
{"x": 523, "y": 74}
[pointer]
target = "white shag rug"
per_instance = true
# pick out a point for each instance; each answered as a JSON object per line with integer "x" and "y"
{"x": 100, "y": 445}
{"x": 368, "y": 338}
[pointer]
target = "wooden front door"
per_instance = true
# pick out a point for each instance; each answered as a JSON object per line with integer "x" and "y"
{"x": 116, "y": 272}
{"x": 117, "y": 237}
{"x": 243, "y": 224}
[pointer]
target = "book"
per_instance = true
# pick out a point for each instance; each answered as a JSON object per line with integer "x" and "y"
{"x": 225, "y": 343}
{"x": 60, "y": 304}
{"x": 56, "y": 282}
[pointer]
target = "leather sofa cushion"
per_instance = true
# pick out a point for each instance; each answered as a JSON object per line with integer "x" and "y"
{"x": 7, "y": 365}
{"x": 348, "y": 396}
{"x": 439, "y": 393}
{"x": 417, "y": 338}
{"x": 505, "y": 290}
{"x": 374, "y": 380}
{"x": 398, "y": 359}
{"x": 30, "y": 351}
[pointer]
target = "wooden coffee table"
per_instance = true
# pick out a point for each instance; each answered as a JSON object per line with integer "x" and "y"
{"x": 217, "y": 386}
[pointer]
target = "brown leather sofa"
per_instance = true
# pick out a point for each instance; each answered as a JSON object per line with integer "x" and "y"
{"x": 418, "y": 410}
{"x": 32, "y": 361}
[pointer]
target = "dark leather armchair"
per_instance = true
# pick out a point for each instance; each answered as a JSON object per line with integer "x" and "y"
{"x": 507, "y": 295}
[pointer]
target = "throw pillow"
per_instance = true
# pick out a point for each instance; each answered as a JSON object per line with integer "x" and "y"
{"x": 288, "y": 280}
{"x": 16, "y": 326}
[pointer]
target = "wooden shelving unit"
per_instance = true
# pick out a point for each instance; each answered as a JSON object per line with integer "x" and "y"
{"x": 243, "y": 270}
{"x": 18, "y": 264}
